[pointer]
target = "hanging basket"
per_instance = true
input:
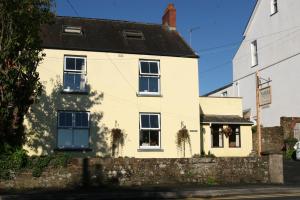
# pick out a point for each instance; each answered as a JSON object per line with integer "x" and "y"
{"x": 227, "y": 131}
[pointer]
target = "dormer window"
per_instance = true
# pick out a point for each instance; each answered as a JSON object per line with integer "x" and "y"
{"x": 72, "y": 29}
{"x": 274, "y": 7}
{"x": 135, "y": 35}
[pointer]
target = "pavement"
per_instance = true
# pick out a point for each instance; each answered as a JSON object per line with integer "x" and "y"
{"x": 178, "y": 192}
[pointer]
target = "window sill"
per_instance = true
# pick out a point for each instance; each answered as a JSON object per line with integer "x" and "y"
{"x": 74, "y": 92}
{"x": 148, "y": 95}
{"x": 150, "y": 150}
{"x": 73, "y": 149}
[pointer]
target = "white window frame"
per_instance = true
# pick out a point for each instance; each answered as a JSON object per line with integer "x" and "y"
{"x": 224, "y": 94}
{"x": 274, "y": 6}
{"x": 237, "y": 142}
{"x": 254, "y": 53}
{"x": 74, "y": 71}
{"x": 156, "y": 129}
{"x": 153, "y": 75}
{"x": 73, "y": 127}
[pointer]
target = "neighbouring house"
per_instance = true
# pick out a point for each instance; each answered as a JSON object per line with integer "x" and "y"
{"x": 118, "y": 87}
{"x": 224, "y": 91}
{"x": 224, "y": 131}
{"x": 271, "y": 47}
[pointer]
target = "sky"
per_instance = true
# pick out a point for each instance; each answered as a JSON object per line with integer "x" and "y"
{"x": 216, "y": 23}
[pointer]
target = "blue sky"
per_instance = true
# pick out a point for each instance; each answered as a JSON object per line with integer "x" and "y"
{"x": 220, "y": 22}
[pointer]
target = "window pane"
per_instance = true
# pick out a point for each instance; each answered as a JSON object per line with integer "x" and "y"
{"x": 80, "y": 64}
{"x": 154, "y": 67}
{"x": 65, "y": 119}
{"x": 143, "y": 84}
{"x": 70, "y": 63}
{"x": 154, "y": 121}
{"x": 145, "y": 67}
{"x": 154, "y": 138}
{"x": 217, "y": 137}
{"x": 145, "y": 121}
{"x": 74, "y": 81}
{"x": 144, "y": 138}
{"x": 64, "y": 138}
{"x": 237, "y": 140}
{"x": 153, "y": 84}
{"x": 81, "y": 119}
{"x": 81, "y": 138}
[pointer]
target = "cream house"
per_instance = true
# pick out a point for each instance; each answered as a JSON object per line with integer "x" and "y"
{"x": 223, "y": 130}
{"x": 105, "y": 74}
{"x": 102, "y": 75}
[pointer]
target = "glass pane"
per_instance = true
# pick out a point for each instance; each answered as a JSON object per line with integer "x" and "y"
{"x": 154, "y": 121}
{"x": 74, "y": 81}
{"x": 69, "y": 81}
{"x": 217, "y": 138}
{"x": 81, "y": 119}
{"x": 80, "y": 64}
{"x": 65, "y": 119}
{"x": 237, "y": 139}
{"x": 145, "y": 121}
{"x": 145, "y": 67}
{"x": 64, "y": 138}
{"x": 70, "y": 63}
{"x": 154, "y": 138}
{"x": 144, "y": 138}
{"x": 81, "y": 138}
{"x": 143, "y": 85}
{"x": 154, "y": 67}
{"x": 153, "y": 84}
{"x": 220, "y": 140}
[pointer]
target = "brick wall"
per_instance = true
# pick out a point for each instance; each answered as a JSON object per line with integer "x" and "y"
{"x": 132, "y": 172}
{"x": 288, "y": 123}
{"x": 271, "y": 139}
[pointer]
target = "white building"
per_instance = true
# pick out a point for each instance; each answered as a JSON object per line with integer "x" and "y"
{"x": 271, "y": 46}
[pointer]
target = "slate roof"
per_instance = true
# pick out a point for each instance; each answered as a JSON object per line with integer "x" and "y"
{"x": 108, "y": 36}
{"x": 217, "y": 90}
{"x": 224, "y": 119}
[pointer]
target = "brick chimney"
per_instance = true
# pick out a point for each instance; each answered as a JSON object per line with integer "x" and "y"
{"x": 169, "y": 17}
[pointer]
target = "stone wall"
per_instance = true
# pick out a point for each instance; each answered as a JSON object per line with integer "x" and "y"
{"x": 135, "y": 172}
{"x": 271, "y": 139}
{"x": 288, "y": 123}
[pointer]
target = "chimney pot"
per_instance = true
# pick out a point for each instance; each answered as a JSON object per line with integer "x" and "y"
{"x": 169, "y": 17}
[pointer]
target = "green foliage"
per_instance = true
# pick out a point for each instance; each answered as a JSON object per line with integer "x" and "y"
{"x": 117, "y": 141}
{"x": 183, "y": 137}
{"x": 38, "y": 164}
{"x": 13, "y": 161}
{"x": 289, "y": 154}
{"x": 211, "y": 181}
{"x": 210, "y": 155}
{"x": 254, "y": 128}
{"x": 196, "y": 156}
{"x": 20, "y": 54}
{"x": 60, "y": 160}
{"x": 203, "y": 155}
{"x": 290, "y": 142}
